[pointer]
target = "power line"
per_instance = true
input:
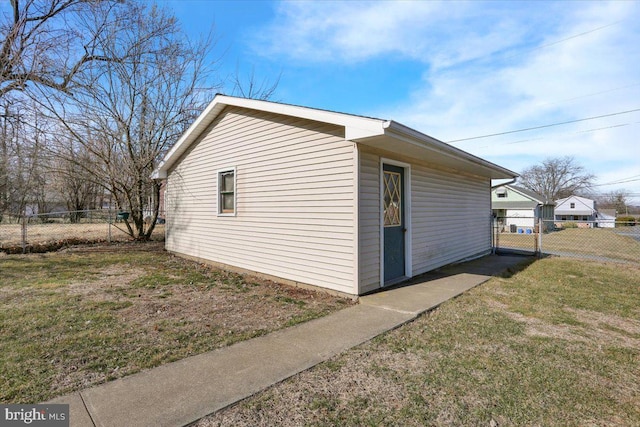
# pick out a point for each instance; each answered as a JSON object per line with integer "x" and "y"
{"x": 571, "y": 37}
{"x": 543, "y": 126}
{"x": 620, "y": 181}
{"x": 587, "y": 95}
{"x": 520, "y": 141}
{"x": 527, "y": 50}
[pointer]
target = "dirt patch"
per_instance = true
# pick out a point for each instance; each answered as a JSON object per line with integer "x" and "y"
{"x": 107, "y": 280}
{"x": 248, "y": 305}
{"x": 595, "y": 319}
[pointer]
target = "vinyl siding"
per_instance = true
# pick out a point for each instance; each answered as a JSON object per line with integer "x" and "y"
{"x": 369, "y": 218}
{"x": 451, "y": 217}
{"x": 450, "y": 214}
{"x": 294, "y": 199}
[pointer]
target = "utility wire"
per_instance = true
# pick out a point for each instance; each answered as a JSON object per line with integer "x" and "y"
{"x": 616, "y": 183}
{"x": 567, "y": 38}
{"x": 541, "y": 104}
{"x": 531, "y": 49}
{"x": 620, "y": 181}
{"x": 543, "y": 126}
{"x": 520, "y": 141}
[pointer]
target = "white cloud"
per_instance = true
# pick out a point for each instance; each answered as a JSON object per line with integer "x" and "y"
{"x": 491, "y": 67}
{"x": 438, "y": 33}
{"x": 590, "y": 75}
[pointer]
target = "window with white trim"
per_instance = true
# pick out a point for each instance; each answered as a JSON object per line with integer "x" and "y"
{"x": 227, "y": 192}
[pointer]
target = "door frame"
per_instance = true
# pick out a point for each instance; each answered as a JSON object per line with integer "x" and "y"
{"x": 407, "y": 216}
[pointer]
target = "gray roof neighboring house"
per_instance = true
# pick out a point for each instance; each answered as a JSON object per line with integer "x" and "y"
{"x": 609, "y": 212}
{"x": 532, "y": 194}
{"x": 532, "y": 199}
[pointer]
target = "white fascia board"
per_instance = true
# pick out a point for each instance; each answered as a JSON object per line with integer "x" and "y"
{"x": 365, "y": 124}
{"x": 400, "y": 131}
{"x": 159, "y": 173}
{"x": 203, "y": 120}
{"x": 355, "y": 126}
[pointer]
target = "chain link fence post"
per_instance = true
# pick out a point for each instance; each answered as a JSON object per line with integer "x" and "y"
{"x": 540, "y": 233}
{"x": 24, "y": 233}
{"x": 109, "y": 228}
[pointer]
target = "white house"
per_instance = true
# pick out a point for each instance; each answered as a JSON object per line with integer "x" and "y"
{"x": 576, "y": 209}
{"x": 605, "y": 220}
{"x": 519, "y": 209}
{"x": 321, "y": 198}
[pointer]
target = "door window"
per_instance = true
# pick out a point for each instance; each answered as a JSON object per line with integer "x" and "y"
{"x": 392, "y": 199}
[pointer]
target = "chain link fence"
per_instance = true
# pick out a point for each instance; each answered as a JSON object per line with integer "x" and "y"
{"x": 53, "y": 230}
{"x": 617, "y": 241}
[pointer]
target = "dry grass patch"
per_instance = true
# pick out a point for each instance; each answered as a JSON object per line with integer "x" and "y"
{"x": 41, "y": 237}
{"x": 556, "y": 344}
{"x": 71, "y": 320}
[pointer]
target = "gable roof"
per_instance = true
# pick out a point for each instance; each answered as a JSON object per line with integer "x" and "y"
{"x": 384, "y": 134}
{"x": 609, "y": 212}
{"x": 583, "y": 206}
{"x": 536, "y": 197}
{"x": 533, "y": 199}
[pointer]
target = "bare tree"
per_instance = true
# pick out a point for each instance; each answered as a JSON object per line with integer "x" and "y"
{"x": 22, "y": 155}
{"x": 250, "y": 87}
{"x": 39, "y": 44}
{"x": 126, "y": 113}
{"x": 556, "y": 178}
{"x": 44, "y": 46}
{"x": 614, "y": 200}
{"x": 71, "y": 179}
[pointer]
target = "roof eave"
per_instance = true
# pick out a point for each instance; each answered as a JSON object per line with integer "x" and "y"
{"x": 420, "y": 141}
{"x": 355, "y": 126}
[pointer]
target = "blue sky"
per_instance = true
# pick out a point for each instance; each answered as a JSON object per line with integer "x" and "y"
{"x": 453, "y": 70}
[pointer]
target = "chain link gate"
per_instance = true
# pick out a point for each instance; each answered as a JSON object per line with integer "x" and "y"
{"x": 588, "y": 240}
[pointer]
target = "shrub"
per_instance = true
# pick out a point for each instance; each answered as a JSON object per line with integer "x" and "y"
{"x": 570, "y": 225}
{"x": 51, "y": 246}
{"x": 626, "y": 221}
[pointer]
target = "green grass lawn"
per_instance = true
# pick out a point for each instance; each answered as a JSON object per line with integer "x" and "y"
{"x": 592, "y": 242}
{"x": 557, "y": 344}
{"x": 72, "y": 320}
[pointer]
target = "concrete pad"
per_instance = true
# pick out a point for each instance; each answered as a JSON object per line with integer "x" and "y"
{"x": 78, "y": 415}
{"x": 429, "y": 290}
{"x": 420, "y": 297}
{"x": 179, "y": 393}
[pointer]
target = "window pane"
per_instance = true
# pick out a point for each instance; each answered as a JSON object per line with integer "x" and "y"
{"x": 227, "y": 181}
{"x": 392, "y": 199}
{"x": 227, "y": 202}
{"x": 226, "y": 192}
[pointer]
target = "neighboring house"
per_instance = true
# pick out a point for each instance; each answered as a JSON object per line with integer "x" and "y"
{"x": 518, "y": 209}
{"x": 321, "y": 198}
{"x": 577, "y": 209}
{"x": 606, "y": 218}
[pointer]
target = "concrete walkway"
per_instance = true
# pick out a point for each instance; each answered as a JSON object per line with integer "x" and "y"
{"x": 182, "y": 392}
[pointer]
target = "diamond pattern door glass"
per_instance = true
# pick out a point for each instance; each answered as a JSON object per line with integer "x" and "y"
{"x": 392, "y": 199}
